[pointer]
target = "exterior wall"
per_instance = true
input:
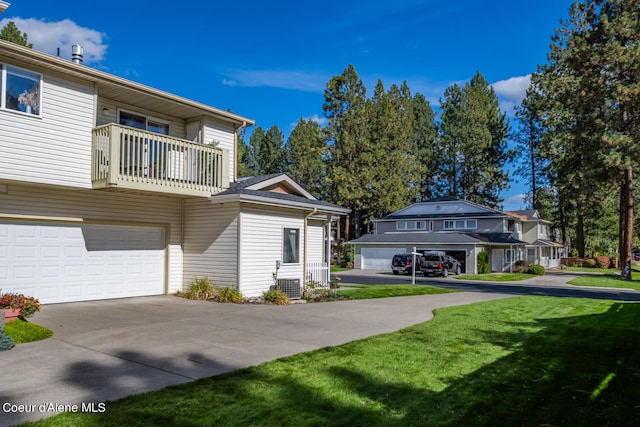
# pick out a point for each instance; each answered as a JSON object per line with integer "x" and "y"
{"x": 211, "y": 242}
{"x": 261, "y": 246}
{"x": 51, "y": 203}
{"x": 56, "y": 147}
{"x": 484, "y": 225}
{"x": 315, "y": 243}
{"x": 221, "y": 134}
{"x": 529, "y": 232}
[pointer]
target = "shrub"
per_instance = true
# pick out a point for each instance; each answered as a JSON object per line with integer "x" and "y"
{"x": 28, "y": 306}
{"x": 6, "y": 343}
{"x": 199, "y": 289}
{"x": 22, "y": 331}
{"x": 349, "y": 265}
{"x": 275, "y": 296}
{"x": 589, "y": 263}
{"x": 229, "y": 295}
{"x": 483, "y": 262}
{"x": 521, "y": 266}
{"x": 603, "y": 261}
{"x": 536, "y": 269}
{"x": 312, "y": 290}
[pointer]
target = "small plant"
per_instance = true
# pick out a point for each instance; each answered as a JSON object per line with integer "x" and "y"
{"x": 603, "y": 261}
{"x": 275, "y": 296}
{"x": 28, "y": 306}
{"x": 199, "y": 289}
{"x": 6, "y": 343}
{"x": 22, "y": 331}
{"x": 314, "y": 290}
{"x": 536, "y": 269}
{"x": 483, "y": 262}
{"x": 589, "y": 263}
{"x": 229, "y": 295}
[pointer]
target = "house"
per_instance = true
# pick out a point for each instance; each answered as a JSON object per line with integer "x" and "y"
{"x": 112, "y": 189}
{"x": 462, "y": 229}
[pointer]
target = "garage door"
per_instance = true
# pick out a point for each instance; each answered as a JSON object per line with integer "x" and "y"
{"x": 71, "y": 262}
{"x": 379, "y": 258}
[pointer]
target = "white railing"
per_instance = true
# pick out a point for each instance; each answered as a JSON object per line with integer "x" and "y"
{"x": 318, "y": 272}
{"x": 129, "y": 158}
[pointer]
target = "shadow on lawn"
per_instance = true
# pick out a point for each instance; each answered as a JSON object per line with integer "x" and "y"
{"x": 582, "y": 370}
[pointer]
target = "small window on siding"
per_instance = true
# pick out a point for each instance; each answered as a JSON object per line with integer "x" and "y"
{"x": 291, "y": 246}
{"x": 21, "y": 90}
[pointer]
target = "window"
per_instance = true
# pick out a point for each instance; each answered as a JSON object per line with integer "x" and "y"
{"x": 291, "y": 246}
{"x": 469, "y": 224}
{"x": 411, "y": 225}
{"x": 144, "y": 123}
{"x": 21, "y": 90}
{"x": 510, "y": 255}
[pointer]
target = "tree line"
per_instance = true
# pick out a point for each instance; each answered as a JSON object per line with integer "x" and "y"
{"x": 379, "y": 153}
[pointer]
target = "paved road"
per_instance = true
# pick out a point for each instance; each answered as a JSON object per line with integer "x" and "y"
{"x": 551, "y": 284}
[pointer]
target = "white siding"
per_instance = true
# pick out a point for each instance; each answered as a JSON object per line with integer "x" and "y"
{"x": 211, "y": 242}
{"x": 261, "y": 247}
{"x": 221, "y": 134}
{"x": 52, "y": 203}
{"x": 315, "y": 242}
{"x": 53, "y": 149}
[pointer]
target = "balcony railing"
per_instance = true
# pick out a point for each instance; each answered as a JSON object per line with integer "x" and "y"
{"x": 126, "y": 158}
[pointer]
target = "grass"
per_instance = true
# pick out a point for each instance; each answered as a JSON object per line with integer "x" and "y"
{"x": 22, "y": 331}
{"x": 387, "y": 291}
{"x": 607, "y": 278}
{"x": 497, "y": 277}
{"x": 518, "y": 361}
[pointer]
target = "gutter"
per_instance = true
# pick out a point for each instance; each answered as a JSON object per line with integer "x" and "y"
{"x": 235, "y": 149}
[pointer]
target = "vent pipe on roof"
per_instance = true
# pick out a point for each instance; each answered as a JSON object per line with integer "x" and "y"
{"x": 76, "y": 54}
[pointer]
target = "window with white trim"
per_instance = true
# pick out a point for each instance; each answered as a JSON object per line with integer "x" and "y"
{"x": 411, "y": 225}
{"x": 291, "y": 246}
{"x": 144, "y": 123}
{"x": 21, "y": 90}
{"x": 461, "y": 224}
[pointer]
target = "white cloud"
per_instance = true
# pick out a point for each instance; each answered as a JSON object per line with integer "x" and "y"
{"x": 512, "y": 91}
{"x": 515, "y": 202}
{"x": 47, "y": 37}
{"x": 322, "y": 121}
{"x": 284, "y": 79}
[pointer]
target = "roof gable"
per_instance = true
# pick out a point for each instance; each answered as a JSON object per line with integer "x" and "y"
{"x": 277, "y": 183}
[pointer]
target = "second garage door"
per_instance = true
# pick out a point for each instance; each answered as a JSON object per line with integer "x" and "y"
{"x": 63, "y": 262}
{"x": 379, "y": 258}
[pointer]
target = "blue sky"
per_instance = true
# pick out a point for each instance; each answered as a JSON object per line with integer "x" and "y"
{"x": 270, "y": 61}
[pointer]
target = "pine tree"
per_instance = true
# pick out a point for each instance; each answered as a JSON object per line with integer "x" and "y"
{"x": 305, "y": 157}
{"x": 11, "y": 33}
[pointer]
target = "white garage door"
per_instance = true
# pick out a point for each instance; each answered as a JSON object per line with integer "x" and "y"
{"x": 72, "y": 262}
{"x": 379, "y": 258}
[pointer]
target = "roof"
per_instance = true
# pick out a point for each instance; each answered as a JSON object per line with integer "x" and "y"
{"x": 116, "y": 88}
{"x": 260, "y": 189}
{"x": 531, "y": 215}
{"x": 430, "y": 238}
{"x": 443, "y": 207}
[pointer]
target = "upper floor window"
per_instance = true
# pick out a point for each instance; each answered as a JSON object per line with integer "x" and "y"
{"x": 144, "y": 123}
{"x": 21, "y": 90}
{"x": 461, "y": 224}
{"x": 411, "y": 225}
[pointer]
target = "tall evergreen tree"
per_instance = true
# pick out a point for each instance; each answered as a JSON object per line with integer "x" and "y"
{"x": 593, "y": 75}
{"x": 11, "y": 33}
{"x": 426, "y": 147}
{"x": 348, "y": 175}
{"x": 305, "y": 157}
{"x": 266, "y": 148}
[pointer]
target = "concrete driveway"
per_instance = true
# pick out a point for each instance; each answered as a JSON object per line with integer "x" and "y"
{"x": 105, "y": 350}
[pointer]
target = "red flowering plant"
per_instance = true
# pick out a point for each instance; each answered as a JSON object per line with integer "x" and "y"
{"x": 28, "y": 306}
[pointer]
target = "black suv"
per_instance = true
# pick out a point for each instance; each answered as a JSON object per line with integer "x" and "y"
{"x": 402, "y": 263}
{"x": 437, "y": 263}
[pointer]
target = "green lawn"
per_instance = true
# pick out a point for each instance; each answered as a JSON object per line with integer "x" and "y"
{"x": 496, "y": 277}
{"x": 519, "y": 361}
{"x": 608, "y": 280}
{"x": 386, "y": 291}
{"x": 22, "y": 331}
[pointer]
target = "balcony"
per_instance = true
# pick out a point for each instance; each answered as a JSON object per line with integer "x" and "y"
{"x": 129, "y": 159}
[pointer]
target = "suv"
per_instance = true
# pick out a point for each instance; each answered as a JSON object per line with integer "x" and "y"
{"x": 402, "y": 263}
{"x": 437, "y": 263}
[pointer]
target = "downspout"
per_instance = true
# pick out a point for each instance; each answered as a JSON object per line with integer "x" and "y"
{"x": 306, "y": 239}
{"x": 235, "y": 150}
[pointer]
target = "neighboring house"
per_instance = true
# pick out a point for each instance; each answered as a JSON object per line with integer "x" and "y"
{"x": 460, "y": 228}
{"x": 540, "y": 247}
{"x": 111, "y": 189}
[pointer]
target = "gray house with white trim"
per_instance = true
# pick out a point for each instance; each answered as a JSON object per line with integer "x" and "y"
{"x": 458, "y": 227}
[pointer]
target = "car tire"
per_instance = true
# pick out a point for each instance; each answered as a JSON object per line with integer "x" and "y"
{"x": 425, "y": 274}
{"x": 458, "y": 271}
{"x": 396, "y": 272}
{"x": 445, "y": 272}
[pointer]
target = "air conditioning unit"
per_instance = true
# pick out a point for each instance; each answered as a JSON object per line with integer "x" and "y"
{"x": 291, "y": 287}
